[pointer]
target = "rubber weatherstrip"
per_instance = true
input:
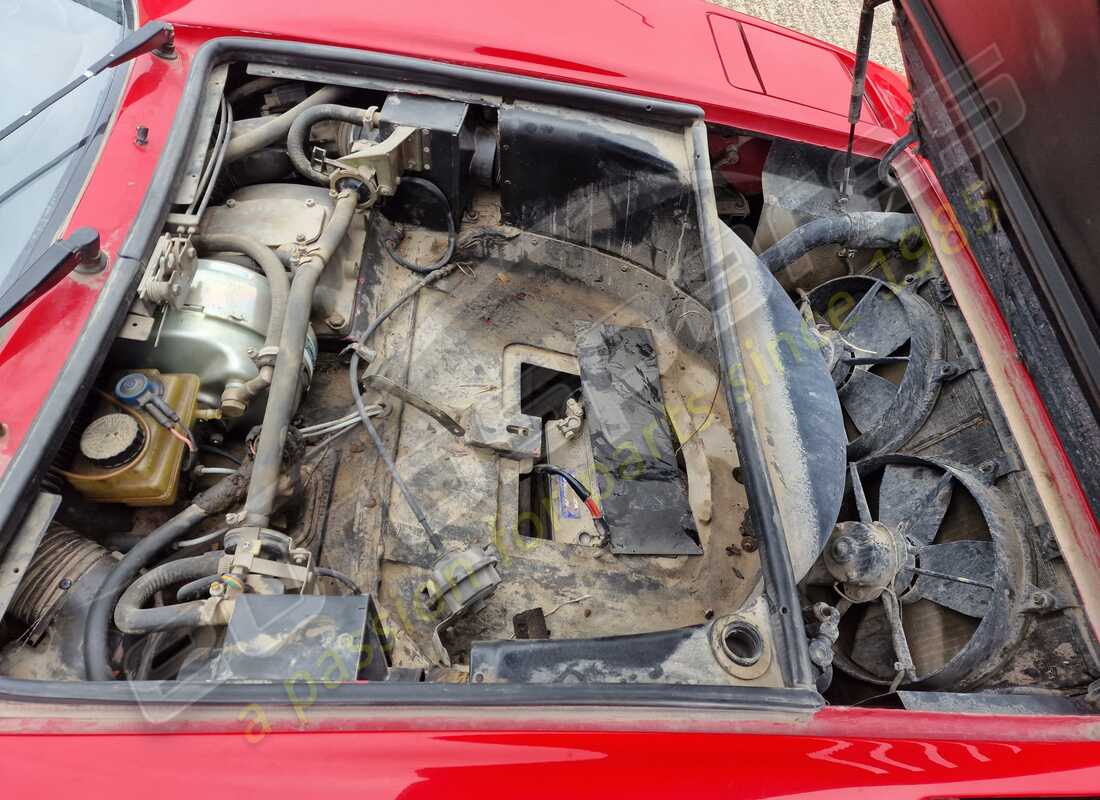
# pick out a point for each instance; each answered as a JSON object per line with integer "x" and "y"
{"x": 779, "y": 582}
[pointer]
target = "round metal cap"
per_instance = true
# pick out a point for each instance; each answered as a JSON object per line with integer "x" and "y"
{"x": 112, "y": 441}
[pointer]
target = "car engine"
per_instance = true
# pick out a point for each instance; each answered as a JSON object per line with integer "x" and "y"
{"x": 430, "y": 385}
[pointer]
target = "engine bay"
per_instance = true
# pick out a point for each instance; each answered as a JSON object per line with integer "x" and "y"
{"x": 434, "y": 386}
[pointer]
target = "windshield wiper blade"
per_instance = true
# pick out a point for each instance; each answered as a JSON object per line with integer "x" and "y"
{"x": 151, "y": 36}
{"x": 80, "y": 251}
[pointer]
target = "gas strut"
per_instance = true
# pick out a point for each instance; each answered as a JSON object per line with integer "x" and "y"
{"x": 859, "y": 84}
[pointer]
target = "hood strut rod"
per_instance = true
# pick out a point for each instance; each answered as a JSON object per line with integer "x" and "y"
{"x": 859, "y": 84}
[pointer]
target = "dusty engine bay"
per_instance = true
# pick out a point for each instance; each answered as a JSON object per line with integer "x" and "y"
{"x": 426, "y": 386}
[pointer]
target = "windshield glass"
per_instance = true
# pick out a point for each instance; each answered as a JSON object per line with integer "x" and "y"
{"x": 47, "y": 43}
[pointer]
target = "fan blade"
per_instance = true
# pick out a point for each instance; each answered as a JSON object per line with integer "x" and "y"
{"x": 860, "y": 496}
{"x": 873, "y": 645}
{"x": 925, "y": 514}
{"x": 878, "y": 325}
{"x": 969, "y": 560}
{"x": 866, "y": 398}
{"x": 916, "y": 497}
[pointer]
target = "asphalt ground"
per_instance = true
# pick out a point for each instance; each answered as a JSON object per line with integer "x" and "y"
{"x": 834, "y": 21}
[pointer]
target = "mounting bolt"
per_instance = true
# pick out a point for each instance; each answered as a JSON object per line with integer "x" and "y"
{"x": 1041, "y": 601}
{"x": 749, "y": 544}
{"x": 336, "y": 321}
{"x": 843, "y": 550}
{"x": 301, "y": 237}
{"x": 310, "y": 203}
{"x": 230, "y": 203}
{"x": 64, "y": 584}
{"x": 142, "y": 137}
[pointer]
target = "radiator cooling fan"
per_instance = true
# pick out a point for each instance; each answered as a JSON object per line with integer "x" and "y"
{"x": 883, "y": 346}
{"x": 930, "y": 570}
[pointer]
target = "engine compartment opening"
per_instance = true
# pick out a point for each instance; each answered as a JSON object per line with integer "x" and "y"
{"x": 435, "y": 386}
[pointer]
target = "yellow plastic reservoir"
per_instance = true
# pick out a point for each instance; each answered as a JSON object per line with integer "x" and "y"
{"x": 152, "y": 477}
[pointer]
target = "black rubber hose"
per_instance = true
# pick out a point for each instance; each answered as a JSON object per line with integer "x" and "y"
{"x": 217, "y": 499}
{"x": 298, "y": 137}
{"x": 219, "y": 452}
{"x": 336, "y": 575}
{"x": 198, "y": 589}
{"x": 895, "y": 150}
{"x": 860, "y": 229}
{"x": 452, "y": 235}
{"x": 96, "y": 660}
{"x": 130, "y": 617}
{"x": 277, "y": 129}
{"x": 283, "y": 395}
{"x": 274, "y": 271}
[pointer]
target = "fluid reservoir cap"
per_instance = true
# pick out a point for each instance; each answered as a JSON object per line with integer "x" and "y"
{"x": 112, "y": 441}
{"x": 133, "y": 387}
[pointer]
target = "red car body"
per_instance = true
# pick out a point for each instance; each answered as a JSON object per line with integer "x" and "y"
{"x": 743, "y": 73}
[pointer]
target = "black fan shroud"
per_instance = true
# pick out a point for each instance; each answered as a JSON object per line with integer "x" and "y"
{"x": 955, "y": 525}
{"x": 875, "y": 327}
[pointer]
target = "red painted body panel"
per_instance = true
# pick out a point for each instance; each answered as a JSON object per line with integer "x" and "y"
{"x": 786, "y": 86}
{"x": 838, "y": 754}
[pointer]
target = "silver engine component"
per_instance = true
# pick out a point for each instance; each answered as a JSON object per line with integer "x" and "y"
{"x": 214, "y": 335}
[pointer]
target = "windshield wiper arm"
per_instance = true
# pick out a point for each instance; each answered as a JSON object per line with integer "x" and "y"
{"x": 80, "y": 251}
{"x": 151, "y": 36}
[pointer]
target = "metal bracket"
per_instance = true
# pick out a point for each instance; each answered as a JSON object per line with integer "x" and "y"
{"x": 946, "y": 371}
{"x": 1042, "y": 602}
{"x": 518, "y": 437}
{"x": 383, "y": 162}
{"x": 171, "y": 269}
{"x": 382, "y": 384}
{"x": 1048, "y": 543}
{"x": 24, "y": 544}
{"x": 460, "y": 582}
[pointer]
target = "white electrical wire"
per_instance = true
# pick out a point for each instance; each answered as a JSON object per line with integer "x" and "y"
{"x": 337, "y": 425}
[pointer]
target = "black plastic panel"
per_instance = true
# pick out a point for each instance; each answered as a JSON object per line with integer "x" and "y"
{"x": 644, "y": 495}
